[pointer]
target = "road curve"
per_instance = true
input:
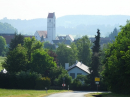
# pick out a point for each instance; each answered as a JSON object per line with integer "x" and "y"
{"x": 71, "y": 94}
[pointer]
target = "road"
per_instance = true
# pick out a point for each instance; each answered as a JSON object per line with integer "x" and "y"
{"x": 71, "y": 94}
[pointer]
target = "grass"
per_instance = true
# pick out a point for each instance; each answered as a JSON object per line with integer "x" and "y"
{"x": 1, "y": 60}
{"x": 106, "y": 95}
{"x": 27, "y": 93}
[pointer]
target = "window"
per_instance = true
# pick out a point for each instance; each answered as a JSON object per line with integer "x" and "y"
{"x": 72, "y": 75}
{"x": 49, "y": 20}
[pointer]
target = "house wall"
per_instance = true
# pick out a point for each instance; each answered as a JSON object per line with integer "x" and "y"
{"x": 77, "y": 70}
{"x": 37, "y": 36}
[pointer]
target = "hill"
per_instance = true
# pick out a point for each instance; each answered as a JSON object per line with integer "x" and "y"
{"x": 72, "y": 24}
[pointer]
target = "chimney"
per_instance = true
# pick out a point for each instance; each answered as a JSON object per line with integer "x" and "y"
{"x": 76, "y": 61}
{"x": 66, "y": 66}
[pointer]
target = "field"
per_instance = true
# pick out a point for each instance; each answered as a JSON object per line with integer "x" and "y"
{"x": 26, "y": 93}
{"x": 1, "y": 60}
{"x": 106, "y": 95}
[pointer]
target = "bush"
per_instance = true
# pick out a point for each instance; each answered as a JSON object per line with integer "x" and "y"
{"x": 21, "y": 80}
{"x": 43, "y": 82}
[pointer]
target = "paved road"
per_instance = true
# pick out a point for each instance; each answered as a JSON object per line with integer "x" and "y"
{"x": 71, "y": 94}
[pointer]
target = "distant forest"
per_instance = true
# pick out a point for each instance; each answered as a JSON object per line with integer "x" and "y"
{"x": 71, "y": 24}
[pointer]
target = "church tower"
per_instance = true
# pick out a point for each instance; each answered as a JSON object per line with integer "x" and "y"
{"x": 51, "y": 27}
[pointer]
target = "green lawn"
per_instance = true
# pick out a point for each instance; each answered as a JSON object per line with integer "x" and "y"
{"x": 26, "y": 93}
{"x": 1, "y": 60}
{"x": 106, "y": 95}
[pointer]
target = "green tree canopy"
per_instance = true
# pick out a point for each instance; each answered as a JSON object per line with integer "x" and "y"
{"x": 18, "y": 39}
{"x": 84, "y": 50}
{"x": 117, "y": 62}
{"x": 66, "y": 54}
{"x": 2, "y": 44}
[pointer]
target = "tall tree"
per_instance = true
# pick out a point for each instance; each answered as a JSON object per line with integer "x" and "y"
{"x": 95, "y": 60}
{"x": 18, "y": 39}
{"x": 84, "y": 50}
{"x": 2, "y": 44}
{"x": 66, "y": 54}
{"x": 31, "y": 45}
{"x": 117, "y": 62}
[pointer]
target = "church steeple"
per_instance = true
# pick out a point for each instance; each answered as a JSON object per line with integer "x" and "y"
{"x": 51, "y": 24}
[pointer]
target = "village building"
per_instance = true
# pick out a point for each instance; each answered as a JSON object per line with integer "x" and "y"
{"x": 77, "y": 69}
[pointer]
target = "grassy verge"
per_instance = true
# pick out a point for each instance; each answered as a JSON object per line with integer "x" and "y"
{"x": 27, "y": 93}
{"x": 106, "y": 95}
{"x": 1, "y": 60}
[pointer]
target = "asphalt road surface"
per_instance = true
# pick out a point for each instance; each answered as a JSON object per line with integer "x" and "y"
{"x": 71, "y": 94}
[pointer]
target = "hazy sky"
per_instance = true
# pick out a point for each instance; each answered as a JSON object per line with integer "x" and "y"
{"x": 30, "y": 9}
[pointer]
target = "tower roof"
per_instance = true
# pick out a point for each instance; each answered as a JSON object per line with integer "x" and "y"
{"x": 51, "y": 15}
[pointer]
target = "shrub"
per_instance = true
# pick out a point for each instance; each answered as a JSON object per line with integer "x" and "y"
{"x": 43, "y": 82}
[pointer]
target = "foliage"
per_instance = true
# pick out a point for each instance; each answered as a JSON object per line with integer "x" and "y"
{"x": 41, "y": 61}
{"x": 48, "y": 45}
{"x": 84, "y": 51}
{"x": 67, "y": 79}
{"x": 117, "y": 64}
{"x": 2, "y": 45}
{"x": 43, "y": 82}
{"x": 54, "y": 55}
{"x": 7, "y": 28}
{"x": 94, "y": 66}
{"x": 16, "y": 60}
{"x": 1, "y": 61}
{"x": 31, "y": 45}
{"x": 21, "y": 80}
{"x": 113, "y": 34}
{"x": 18, "y": 39}
{"x": 66, "y": 54}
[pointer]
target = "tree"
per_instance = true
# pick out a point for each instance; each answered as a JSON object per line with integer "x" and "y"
{"x": 18, "y": 39}
{"x": 16, "y": 60}
{"x": 41, "y": 61}
{"x": 95, "y": 61}
{"x": 31, "y": 45}
{"x": 65, "y": 54}
{"x": 54, "y": 55}
{"x": 113, "y": 34}
{"x": 117, "y": 62}
{"x": 84, "y": 50}
{"x": 2, "y": 45}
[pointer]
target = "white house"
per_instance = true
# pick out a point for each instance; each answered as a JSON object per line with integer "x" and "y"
{"x": 77, "y": 69}
{"x": 50, "y": 34}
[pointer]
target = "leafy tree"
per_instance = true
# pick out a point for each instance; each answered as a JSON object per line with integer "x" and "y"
{"x": 2, "y": 45}
{"x": 113, "y": 34}
{"x": 41, "y": 61}
{"x": 65, "y": 54}
{"x": 31, "y": 45}
{"x": 54, "y": 55}
{"x": 94, "y": 66}
{"x": 84, "y": 50}
{"x": 49, "y": 45}
{"x": 18, "y": 39}
{"x": 117, "y": 62}
{"x": 16, "y": 60}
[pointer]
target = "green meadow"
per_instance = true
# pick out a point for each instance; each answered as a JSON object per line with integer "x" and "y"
{"x": 27, "y": 93}
{"x": 1, "y": 60}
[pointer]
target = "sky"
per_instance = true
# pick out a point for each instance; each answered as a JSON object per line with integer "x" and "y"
{"x": 31, "y": 9}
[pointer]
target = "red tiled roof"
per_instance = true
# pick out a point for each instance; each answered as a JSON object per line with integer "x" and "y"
{"x": 8, "y": 38}
{"x": 42, "y": 33}
{"x": 50, "y": 15}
